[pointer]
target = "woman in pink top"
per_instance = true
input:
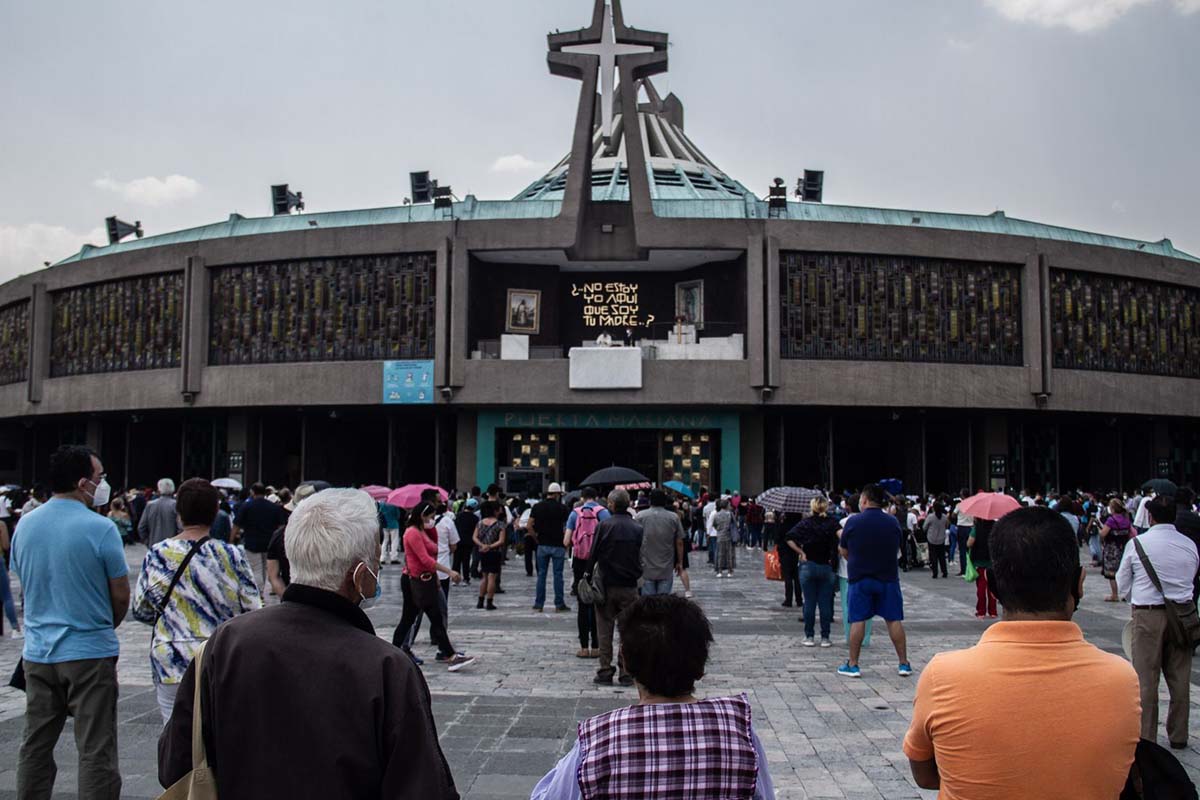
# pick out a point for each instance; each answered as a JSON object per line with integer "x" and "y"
{"x": 421, "y": 590}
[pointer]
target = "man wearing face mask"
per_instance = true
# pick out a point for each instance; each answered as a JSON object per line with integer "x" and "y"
{"x": 72, "y": 568}
{"x": 302, "y": 699}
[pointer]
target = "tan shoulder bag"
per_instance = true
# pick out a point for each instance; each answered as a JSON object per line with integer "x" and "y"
{"x": 200, "y": 783}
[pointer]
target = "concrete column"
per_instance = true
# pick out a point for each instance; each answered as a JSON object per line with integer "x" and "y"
{"x": 237, "y": 440}
{"x": 755, "y": 322}
{"x": 441, "y": 314}
{"x": 1031, "y": 322}
{"x": 95, "y": 435}
{"x": 460, "y": 286}
{"x": 41, "y": 321}
{"x": 465, "y": 445}
{"x": 993, "y": 440}
{"x": 1046, "y": 339}
{"x": 753, "y": 481}
{"x": 772, "y": 349}
{"x": 194, "y": 352}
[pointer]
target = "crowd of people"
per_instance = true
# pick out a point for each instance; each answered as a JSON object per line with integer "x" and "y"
{"x": 249, "y": 677}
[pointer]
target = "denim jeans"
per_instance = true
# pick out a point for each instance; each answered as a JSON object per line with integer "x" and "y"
{"x": 10, "y": 608}
{"x": 952, "y": 540}
{"x": 816, "y": 581}
{"x": 1094, "y": 547}
{"x": 650, "y": 587}
{"x": 544, "y": 555}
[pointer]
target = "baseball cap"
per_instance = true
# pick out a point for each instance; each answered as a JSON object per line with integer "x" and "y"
{"x": 472, "y": 503}
{"x": 554, "y": 488}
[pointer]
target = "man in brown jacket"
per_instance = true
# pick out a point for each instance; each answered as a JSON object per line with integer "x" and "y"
{"x": 303, "y": 699}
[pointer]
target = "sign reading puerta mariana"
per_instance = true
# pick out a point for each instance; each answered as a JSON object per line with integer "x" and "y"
{"x": 610, "y": 304}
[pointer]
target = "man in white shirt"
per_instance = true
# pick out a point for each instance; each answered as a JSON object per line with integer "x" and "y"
{"x": 710, "y": 533}
{"x": 1175, "y": 560}
{"x": 447, "y": 533}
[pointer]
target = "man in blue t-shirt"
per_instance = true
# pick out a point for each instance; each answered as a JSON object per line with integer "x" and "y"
{"x": 870, "y": 544}
{"x": 73, "y": 572}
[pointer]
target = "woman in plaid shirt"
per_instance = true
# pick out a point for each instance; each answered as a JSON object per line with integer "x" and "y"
{"x": 670, "y": 746}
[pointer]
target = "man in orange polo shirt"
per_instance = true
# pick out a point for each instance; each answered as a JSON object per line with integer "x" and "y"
{"x": 1032, "y": 710}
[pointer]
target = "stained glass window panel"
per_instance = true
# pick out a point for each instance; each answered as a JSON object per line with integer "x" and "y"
{"x": 332, "y": 309}
{"x": 117, "y": 326}
{"x": 888, "y": 308}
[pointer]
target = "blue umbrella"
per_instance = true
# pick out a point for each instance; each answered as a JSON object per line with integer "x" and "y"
{"x": 681, "y": 487}
{"x": 892, "y": 486}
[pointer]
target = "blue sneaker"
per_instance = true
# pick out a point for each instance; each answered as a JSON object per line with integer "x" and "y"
{"x": 849, "y": 671}
{"x": 904, "y": 670}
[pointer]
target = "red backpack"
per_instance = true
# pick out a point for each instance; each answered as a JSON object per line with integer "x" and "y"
{"x": 586, "y": 520}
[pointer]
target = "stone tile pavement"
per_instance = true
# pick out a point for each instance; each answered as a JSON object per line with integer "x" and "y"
{"x": 506, "y": 720}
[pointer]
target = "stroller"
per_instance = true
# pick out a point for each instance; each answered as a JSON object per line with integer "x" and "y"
{"x": 914, "y": 549}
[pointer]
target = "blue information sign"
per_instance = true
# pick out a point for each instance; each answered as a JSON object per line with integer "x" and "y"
{"x": 407, "y": 382}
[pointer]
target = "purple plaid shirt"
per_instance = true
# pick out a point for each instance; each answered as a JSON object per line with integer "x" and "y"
{"x": 693, "y": 751}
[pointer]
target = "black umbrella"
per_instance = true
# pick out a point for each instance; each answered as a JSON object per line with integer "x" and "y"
{"x": 572, "y": 498}
{"x": 1161, "y": 486}
{"x": 614, "y": 475}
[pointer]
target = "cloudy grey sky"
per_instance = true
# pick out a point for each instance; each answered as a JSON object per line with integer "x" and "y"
{"x": 1081, "y": 113}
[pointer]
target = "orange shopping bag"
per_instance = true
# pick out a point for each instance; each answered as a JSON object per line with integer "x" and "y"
{"x": 771, "y": 566}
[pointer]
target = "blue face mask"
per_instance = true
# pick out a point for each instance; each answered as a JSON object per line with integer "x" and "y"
{"x": 368, "y": 602}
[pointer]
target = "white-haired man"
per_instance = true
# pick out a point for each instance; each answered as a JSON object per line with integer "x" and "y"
{"x": 302, "y": 699}
{"x": 159, "y": 521}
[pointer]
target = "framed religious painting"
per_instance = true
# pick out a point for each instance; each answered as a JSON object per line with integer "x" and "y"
{"x": 524, "y": 311}
{"x": 689, "y": 303}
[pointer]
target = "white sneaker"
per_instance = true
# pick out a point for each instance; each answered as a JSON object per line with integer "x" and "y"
{"x": 808, "y": 642}
{"x": 688, "y": 594}
{"x": 17, "y": 633}
{"x": 458, "y": 661}
{"x": 826, "y": 643}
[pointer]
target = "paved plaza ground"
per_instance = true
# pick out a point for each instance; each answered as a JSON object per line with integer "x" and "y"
{"x": 506, "y": 720}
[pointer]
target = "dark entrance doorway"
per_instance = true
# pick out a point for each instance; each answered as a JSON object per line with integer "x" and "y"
{"x": 871, "y": 447}
{"x": 585, "y": 451}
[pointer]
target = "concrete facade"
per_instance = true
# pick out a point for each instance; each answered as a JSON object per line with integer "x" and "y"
{"x": 592, "y": 234}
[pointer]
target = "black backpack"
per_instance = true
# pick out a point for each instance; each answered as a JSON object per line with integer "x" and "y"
{"x": 1157, "y": 775}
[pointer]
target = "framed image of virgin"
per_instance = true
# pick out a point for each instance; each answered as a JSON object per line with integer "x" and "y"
{"x": 689, "y": 303}
{"x": 524, "y": 313}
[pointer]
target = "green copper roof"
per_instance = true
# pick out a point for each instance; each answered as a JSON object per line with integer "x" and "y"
{"x": 996, "y": 222}
{"x": 670, "y": 207}
{"x": 237, "y": 225}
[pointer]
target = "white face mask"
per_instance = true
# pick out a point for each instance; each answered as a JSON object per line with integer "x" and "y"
{"x": 102, "y": 494}
{"x": 368, "y": 602}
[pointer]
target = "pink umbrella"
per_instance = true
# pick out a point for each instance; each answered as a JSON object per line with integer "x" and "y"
{"x": 409, "y": 496}
{"x": 377, "y": 492}
{"x": 989, "y": 505}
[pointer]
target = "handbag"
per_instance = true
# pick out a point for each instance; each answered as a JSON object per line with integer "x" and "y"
{"x": 970, "y": 574}
{"x": 1183, "y": 621}
{"x": 200, "y": 783}
{"x": 771, "y": 566}
{"x": 591, "y": 588}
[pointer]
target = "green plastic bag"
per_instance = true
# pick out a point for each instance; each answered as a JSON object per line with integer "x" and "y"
{"x": 971, "y": 574}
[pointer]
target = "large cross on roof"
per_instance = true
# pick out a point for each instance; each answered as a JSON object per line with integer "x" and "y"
{"x": 608, "y": 45}
{"x": 607, "y": 49}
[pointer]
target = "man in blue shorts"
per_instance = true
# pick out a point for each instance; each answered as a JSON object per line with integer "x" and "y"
{"x": 870, "y": 544}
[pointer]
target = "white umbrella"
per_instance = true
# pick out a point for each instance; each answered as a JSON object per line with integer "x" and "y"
{"x": 227, "y": 483}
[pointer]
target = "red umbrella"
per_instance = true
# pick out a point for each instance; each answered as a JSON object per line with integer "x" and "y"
{"x": 377, "y": 492}
{"x": 989, "y": 505}
{"x": 409, "y": 496}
